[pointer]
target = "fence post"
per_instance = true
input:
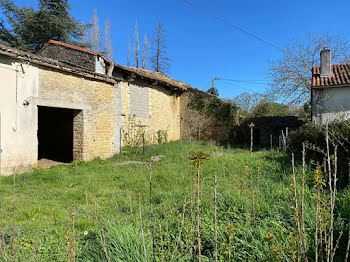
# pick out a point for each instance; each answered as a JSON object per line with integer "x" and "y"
{"x": 279, "y": 143}
{"x": 180, "y": 130}
{"x": 251, "y": 126}
{"x": 271, "y": 141}
{"x": 143, "y": 142}
{"x": 0, "y": 145}
{"x": 284, "y": 141}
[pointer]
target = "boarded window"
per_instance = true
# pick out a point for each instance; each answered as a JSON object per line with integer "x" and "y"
{"x": 139, "y": 101}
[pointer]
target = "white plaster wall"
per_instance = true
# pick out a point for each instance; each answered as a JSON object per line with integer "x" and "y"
{"x": 19, "y": 81}
{"x": 331, "y": 104}
{"x": 100, "y": 66}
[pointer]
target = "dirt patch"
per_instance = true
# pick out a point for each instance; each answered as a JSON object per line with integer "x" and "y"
{"x": 47, "y": 163}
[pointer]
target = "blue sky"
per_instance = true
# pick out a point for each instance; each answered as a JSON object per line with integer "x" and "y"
{"x": 201, "y": 47}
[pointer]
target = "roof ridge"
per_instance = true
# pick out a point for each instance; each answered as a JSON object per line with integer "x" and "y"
{"x": 157, "y": 76}
{"x": 52, "y": 63}
{"x": 82, "y": 49}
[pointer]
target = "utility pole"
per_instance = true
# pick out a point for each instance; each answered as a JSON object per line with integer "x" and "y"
{"x": 212, "y": 83}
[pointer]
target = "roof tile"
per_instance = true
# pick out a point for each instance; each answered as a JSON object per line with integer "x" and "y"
{"x": 156, "y": 76}
{"x": 340, "y": 76}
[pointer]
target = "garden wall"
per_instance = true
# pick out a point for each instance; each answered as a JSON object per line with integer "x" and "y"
{"x": 205, "y": 117}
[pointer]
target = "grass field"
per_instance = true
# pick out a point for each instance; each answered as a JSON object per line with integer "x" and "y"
{"x": 89, "y": 211}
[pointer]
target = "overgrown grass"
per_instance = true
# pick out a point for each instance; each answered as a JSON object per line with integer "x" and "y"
{"x": 105, "y": 198}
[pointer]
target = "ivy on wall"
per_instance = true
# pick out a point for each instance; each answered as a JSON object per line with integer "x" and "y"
{"x": 220, "y": 111}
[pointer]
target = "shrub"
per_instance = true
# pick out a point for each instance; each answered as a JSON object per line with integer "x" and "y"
{"x": 314, "y": 137}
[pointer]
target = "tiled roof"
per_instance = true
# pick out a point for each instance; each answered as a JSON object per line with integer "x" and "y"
{"x": 144, "y": 73}
{"x": 156, "y": 76}
{"x": 54, "y": 42}
{"x": 340, "y": 76}
{"x": 40, "y": 60}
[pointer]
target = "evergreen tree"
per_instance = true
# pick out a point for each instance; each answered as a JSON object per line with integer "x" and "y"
{"x": 29, "y": 29}
{"x": 213, "y": 91}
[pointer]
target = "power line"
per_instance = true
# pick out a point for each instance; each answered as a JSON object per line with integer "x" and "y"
{"x": 240, "y": 88}
{"x": 242, "y": 81}
{"x": 232, "y": 25}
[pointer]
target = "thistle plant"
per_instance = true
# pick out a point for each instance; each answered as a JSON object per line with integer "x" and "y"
{"x": 348, "y": 245}
{"x": 230, "y": 229}
{"x": 197, "y": 160}
{"x": 215, "y": 221}
{"x": 319, "y": 183}
{"x": 276, "y": 249}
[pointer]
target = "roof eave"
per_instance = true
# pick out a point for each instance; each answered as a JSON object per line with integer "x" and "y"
{"x": 333, "y": 86}
{"x": 55, "y": 64}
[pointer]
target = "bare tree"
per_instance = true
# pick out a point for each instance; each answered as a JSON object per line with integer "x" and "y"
{"x": 246, "y": 102}
{"x": 95, "y": 34}
{"x": 108, "y": 45}
{"x": 160, "y": 61}
{"x": 129, "y": 53}
{"x": 145, "y": 51}
{"x": 85, "y": 38}
{"x": 137, "y": 46}
{"x": 292, "y": 73}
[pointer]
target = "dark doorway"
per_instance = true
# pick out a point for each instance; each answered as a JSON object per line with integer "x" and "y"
{"x": 55, "y": 134}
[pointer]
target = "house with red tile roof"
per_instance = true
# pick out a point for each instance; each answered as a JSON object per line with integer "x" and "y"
{"x": 330, "y": 90}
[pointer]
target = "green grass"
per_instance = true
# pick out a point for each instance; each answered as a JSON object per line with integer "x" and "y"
{"x": 105, "y": 197}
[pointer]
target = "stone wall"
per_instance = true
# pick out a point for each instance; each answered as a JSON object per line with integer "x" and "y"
{"x": 198, "y": 122}
{"x": 264, "y": 127}
{"x": 163, "y": 118}
{"x": 95, "y": 102}
{"x": 70, "y": 56}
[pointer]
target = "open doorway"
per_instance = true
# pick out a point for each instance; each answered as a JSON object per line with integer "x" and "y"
{"x": 56, "y": 133}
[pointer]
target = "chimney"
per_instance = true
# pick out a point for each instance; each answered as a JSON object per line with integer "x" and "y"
{"x": 325, "y": 55}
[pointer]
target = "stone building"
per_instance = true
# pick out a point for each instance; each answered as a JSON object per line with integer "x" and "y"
{"x": 68, "y": 103}
{"x": 150, "y": 105}
{"x": 54, "y": 110}
{"x": 150, "y": 101}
